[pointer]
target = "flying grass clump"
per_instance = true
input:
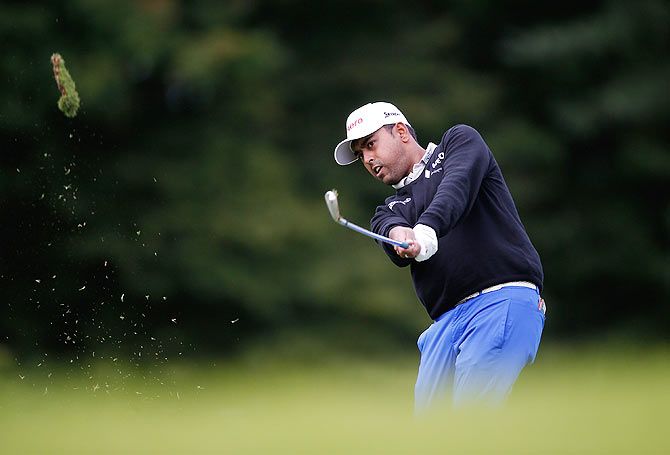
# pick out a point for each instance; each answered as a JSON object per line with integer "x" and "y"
{"x": 69, "y": 100}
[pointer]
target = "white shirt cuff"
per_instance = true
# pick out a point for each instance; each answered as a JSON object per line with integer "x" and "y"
{"x": 427, "y": 239}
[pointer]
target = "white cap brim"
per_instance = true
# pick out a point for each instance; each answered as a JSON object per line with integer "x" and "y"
{"x": 343, "y": 154}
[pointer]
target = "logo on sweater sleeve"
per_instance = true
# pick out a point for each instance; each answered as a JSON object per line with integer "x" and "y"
{"x": 438, "y": 161}
{"x": 432, "y": 170}
{"x": 399, "y": 202}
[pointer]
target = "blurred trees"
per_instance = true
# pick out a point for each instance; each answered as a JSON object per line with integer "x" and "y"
{"x": 599, "y": 84}
{"x": 182, "y": 209}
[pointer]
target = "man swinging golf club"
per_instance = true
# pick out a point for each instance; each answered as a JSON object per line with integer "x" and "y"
{"x": 473, "y": 266}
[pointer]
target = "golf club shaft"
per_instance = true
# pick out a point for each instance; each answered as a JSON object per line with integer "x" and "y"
{"x": 364, "y": 231}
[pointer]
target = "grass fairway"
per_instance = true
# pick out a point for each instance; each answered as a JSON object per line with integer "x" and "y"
{"x": 571, "y": 401}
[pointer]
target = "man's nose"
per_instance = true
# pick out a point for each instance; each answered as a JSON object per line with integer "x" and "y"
{"x": 367, "y": 156}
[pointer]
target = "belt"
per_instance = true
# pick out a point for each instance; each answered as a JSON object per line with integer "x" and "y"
{"x": 523, "y": 284}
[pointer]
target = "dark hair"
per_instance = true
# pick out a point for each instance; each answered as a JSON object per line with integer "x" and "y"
{"x": 389, "y": 128}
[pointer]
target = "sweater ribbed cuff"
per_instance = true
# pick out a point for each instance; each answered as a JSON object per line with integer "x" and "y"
{"x": 427, "y": 239}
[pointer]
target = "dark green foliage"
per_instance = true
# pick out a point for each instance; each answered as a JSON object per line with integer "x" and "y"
{"x": 197, "y": 176}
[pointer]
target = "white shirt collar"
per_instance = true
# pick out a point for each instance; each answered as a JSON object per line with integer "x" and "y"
{"x": 418, "y": 168}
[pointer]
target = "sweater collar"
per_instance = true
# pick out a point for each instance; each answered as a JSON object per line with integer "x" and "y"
{"x": 418, "y": 168}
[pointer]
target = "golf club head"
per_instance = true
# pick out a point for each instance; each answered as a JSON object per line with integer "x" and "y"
{"x": 333, "y": 206}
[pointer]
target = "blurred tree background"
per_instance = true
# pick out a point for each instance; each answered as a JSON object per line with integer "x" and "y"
{"x": 181, "y": 212}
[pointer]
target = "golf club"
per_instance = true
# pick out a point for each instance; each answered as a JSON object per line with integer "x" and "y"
{"x": 334, "y": 209}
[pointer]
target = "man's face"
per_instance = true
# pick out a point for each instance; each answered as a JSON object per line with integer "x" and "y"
{"x": 383, "y": 155}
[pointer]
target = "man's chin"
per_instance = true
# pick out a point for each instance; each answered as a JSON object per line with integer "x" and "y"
{"x": 389, "y": 180}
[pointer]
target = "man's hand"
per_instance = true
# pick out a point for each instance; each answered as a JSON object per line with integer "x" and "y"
{"x": 405, "y": 234}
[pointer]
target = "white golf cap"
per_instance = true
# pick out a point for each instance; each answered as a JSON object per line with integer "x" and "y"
{"x": 364, "y": 121}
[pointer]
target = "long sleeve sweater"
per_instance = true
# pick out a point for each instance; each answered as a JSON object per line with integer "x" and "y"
{"x": 481, "y": 241}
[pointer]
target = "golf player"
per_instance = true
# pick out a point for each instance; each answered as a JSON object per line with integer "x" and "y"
{"x": 473, "y": 266}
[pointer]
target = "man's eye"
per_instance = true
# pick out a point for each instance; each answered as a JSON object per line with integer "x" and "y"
{"x": 369, "y": 145}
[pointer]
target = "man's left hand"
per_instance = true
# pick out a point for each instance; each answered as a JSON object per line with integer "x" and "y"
{"x": 405, "y": 234}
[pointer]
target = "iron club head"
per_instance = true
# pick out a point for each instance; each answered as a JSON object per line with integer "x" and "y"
{"x": 333, "y": 206}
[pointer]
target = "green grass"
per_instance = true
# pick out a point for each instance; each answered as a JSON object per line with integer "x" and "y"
{"x": 573, "y": 400}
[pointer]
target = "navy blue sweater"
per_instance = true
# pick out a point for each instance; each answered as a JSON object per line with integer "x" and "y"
{"x": 481, "y": 240}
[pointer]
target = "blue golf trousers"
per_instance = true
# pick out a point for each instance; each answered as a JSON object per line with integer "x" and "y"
{"x": 475, "y": 352}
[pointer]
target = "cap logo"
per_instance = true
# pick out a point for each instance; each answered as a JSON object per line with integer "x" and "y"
{"x": 354, "y": 123}
{"x": 389, "y": 114}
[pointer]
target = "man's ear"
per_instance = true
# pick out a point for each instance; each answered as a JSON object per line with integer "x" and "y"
{"x": 403, "y": 132}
